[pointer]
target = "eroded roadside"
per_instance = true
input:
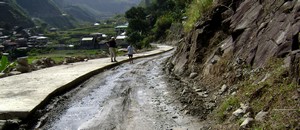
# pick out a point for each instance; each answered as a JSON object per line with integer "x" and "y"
{"x": 130, "y": 96}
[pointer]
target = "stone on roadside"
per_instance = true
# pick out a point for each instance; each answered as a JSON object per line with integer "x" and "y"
{"x": 223, "y": 89}
{"x": 199, "y": 90}
{"x": 2, "y": 75}
{"x": 22, "y": 61}
{"x": 238, "y": 113}
{"x": 260, "y": 116}
{"x": 245, "y": 107}
{"x": 23, "y": 69}
{"x": 193, "y": 75}
{"x": 247, "y": 115}
{"x": 22, "y": 65}
{"x": 233, "y": 93}
{"x": 14, "y": 73}
{"x": 210, "y": 105}
{"x": 247, "y": 122}
{"x": 203, "y": 94}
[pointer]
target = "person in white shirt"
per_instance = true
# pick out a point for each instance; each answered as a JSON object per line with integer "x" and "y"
{"x": 130, "y": 50}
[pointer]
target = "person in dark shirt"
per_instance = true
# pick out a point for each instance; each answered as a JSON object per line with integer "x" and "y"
{"x": 112, "y": 46}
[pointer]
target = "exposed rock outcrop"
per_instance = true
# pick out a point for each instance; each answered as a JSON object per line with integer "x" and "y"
{"x": 256, "y": 32}
{"x": 235, "y": 43}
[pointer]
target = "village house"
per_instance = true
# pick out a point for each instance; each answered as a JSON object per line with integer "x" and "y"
{"x": 9, "y": 45}
{"x": 92, "y": 41}
{"x": 3, "y": 38}
{"x": 121, "y": 29}
{"x": 22, "y": 42}
{"x": 87, "y": 43}
{"x": 37, "y": 41}
{"x": 1, "y": 31}
{"x": 121, "y": 40}
{"x": 53, "y": 29}
{"x": 1, "y": 48}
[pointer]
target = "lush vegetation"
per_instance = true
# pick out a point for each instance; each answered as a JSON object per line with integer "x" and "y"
{"x": 5, "y": 65}
{"x": 59, "y": 55}
{"x": 195, "y": 11}
{"x": 151, "y": 23}
{"x": 73, "y": 36}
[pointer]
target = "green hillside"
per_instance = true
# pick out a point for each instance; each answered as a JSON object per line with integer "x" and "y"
{"x": 46, "y": 11}
{"x": 80, "y": 14}
{"x": 11, "y": 15}
{"x": 99, "y": 9}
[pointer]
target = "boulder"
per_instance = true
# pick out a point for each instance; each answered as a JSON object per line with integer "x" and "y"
{"x": 22, "y": 61}
{"x": 22, "y": 65}
{"x": 23, "y": 69}
{"x": 48, "y": 62}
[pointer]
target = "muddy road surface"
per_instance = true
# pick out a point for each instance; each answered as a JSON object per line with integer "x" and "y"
{"x": 128, "y": 97}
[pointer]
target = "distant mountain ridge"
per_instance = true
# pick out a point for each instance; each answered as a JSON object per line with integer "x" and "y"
{"x": 47, "y": 11}
{"x": 100, "y": 9}
{"x": 60, "y": 13}
{"x": 11, "y": 14}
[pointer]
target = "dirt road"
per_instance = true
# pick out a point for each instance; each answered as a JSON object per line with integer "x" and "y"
{"x": 128, "y": 97}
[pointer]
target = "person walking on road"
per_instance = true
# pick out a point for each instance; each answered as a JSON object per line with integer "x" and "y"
{"x": 112, "y": 46}
{"x": 130, "y": 50}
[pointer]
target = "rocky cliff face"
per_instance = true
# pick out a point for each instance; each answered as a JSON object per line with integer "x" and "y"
{"x": 235, "y": 45}
{"x": 255, "y": 32}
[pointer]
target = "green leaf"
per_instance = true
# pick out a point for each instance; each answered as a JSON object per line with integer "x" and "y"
{"x": 4, "y": 63}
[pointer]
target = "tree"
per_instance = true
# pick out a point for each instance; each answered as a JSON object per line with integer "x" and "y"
{"x": 153, "y": 21}
{"x": 138, "y": 25}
